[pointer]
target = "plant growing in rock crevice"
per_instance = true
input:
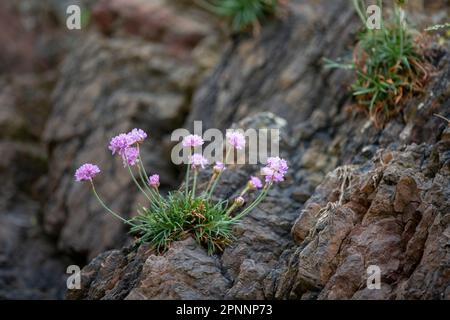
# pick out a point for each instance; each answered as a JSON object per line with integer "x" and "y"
{"x": 389, "y": 65}
{"x": 185, "y": 212}
{"x": 242, "y": 14}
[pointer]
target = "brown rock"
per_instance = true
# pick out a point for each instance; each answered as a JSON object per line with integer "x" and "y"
{"x": 180, "y": 28}
{"x": 184, "y": 272}
{"x": 405, "y": 193}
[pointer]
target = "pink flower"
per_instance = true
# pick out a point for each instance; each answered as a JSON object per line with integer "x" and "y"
{"x": 274, "y": 177}
{"x": 130, "y": 156}
{"x": 192, "y": 141}
{"x": 136, "y": 136}
{"x": 219, "y": 167}
{"x": 86, "y": 172}
{"x": 197, "y": 160}
{"x": 254, "y": 183}
{"x": 275, "y": 170}
{"x": 119, "y": 143}
{"x": 236, "y": 139}
{"x": 277, "y": 164}
{"x": 153, "y": 181}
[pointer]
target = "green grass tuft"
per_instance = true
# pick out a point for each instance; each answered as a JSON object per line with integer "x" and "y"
{"x": 389, "y": 66}
{"x": 177, "y": 217}
{"x": 242, "y": 14}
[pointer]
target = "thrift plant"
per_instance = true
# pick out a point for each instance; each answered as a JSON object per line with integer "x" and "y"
{"x": 243, "y": 14}
{"x": 185, "y": 212}
{"x": 389, "y": 66}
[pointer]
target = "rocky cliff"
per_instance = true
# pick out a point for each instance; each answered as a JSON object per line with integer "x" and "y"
{"x": 356, "y": 195}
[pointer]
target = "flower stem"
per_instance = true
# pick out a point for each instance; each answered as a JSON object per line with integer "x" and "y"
{"x": 213, "y": 177}
{"x": 187, "y": 175}
{"x": 214, "y": 185}
{"x": 137, "y": 184}
{"x": 143, "y": 174}
{"x": 230, "y": 209}
{"x": 219, "y": 175}
{"x": 244, "y": 191}
{"x": 108, "y": 209}
{"x": 157, "y": 192}
{"x": 145, "y": 183}
{"x": 140, "y": 161}
{"x": 194, "y": 184}
{"x": 255, "y": 203}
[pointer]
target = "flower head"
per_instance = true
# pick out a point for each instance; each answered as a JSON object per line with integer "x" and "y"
{"x": 254, "y": 183}
{"x": 153, "y": 181}
{"x": 130, "y": 156}
{"x": 86, "y": 172}
{"x": 119, "y": 144}
{"x": 192, "y": 141}
{"x": 239, "y": 201}
{"x": 197, "y": 160}
{"x": 278, "y": 164}
{"x": 275, "y": 170}
{"x": 136, "y": 136}
{"x": 236, "y": 139}
{"x": 219, "y": 167}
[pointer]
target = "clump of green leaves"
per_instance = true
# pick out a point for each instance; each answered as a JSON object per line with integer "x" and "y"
{"x": 389, "y": 66}
{"x": 176, "y": 217}
{"x": 242, "y": 14}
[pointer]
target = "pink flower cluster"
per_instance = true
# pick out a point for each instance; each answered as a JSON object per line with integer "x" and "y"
{"x": 125, "y": 145}
{"x": 197, "y": 160}
{"x": 192, "y": 141}
{"x": 130, "y": 156}
{"x": 275, "y": 170}
{"x": 86, "y": 172}
{"x": 236, "y": 139}
{"x": 119, "y": 144}
{"x": 136, "y": 136}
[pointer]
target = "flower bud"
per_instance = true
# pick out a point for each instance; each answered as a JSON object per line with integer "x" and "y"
{"x": 254, "y": 183}
{"x": 219, "y": 167}
{"x": 239, "y": 201}
{"x": 153, "y": 181}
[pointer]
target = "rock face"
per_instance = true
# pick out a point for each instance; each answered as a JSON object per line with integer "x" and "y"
{"x": 356, "y": 196}
{"x": 30, "y": 265}
{"x": 386, "y": 212}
